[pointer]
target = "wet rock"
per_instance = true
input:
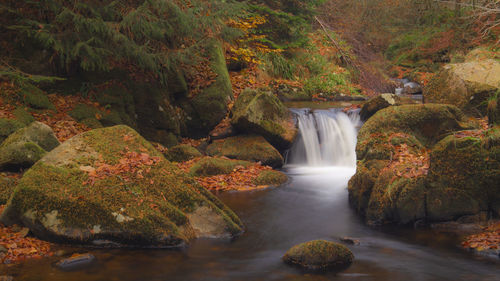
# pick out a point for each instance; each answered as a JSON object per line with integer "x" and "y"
{"x": 76, "y": 261}
{"x": 146, "y": 205}
{"x": 466, "y": 85}
{"x": 26, "y": 146}
{"x": 262, "y": 113}
{"x": 319, "y": 255}
{"x": 181, "y": 153}
{"x": 248, "y": 147}
{"x": 412, "y": 88}
{"x": 350, "y": 240}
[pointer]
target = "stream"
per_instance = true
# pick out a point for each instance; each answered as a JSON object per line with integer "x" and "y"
{"x": 312, "y": 205}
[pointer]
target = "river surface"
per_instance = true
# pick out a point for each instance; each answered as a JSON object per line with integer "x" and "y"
{"x": 312, "y": 205}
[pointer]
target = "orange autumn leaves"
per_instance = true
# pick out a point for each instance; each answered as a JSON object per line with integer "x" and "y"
{"x": 131, "y": 164}
{"x": 16, "y": 247}
{"x": 489, "y": 239}
{"x": 240, "y": 179}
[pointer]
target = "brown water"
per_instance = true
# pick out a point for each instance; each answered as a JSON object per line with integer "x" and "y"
{"x": 313, "y": 205}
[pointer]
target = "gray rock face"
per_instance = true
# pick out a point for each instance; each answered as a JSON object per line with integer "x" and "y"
{"x": 26, "y": 146}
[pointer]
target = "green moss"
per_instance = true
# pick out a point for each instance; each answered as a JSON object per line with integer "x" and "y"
{"x": 150, "y": 209}
{"x": 181, "y": 153}
{"x": 35, "y": 97}
{"x": 83, "y": 111}
{"x": 249, "y": 148}
{"x": 273, "y": 178}
{"x": 262, "y": 113}
{"x": 92, "y": 123}
{"x": 319, "y": 255}
{"x": 7, "y": 127}
{"x": 215, "y": 166}
{"x": 210, "y": 106}
{"x": 23, "y": 116}
{"x": 7, "y": 187}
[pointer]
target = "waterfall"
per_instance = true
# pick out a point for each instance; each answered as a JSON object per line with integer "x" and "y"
{"x": 326, "y": 138}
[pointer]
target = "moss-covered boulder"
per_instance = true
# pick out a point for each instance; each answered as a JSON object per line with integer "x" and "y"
{"x": 23, "y": 116}
{"x": 35, "y": 98}
{"x": 380, "y": 102}
{"x": 391, "y": 183}
{"x": 247, "y": 147}
{"x": 467, "y": 85}
{"x": 206, "y": 109}
{"x": 271, "y": 178}
{"x": 262, "y": 113}
{"x": 420, "y": 125}
{"x": 7, "y": 186}
{"x": 463, "y": 177}
{"x": 112, "y": 186}
{"x": 319, "y": 255}
{"x": 183, "y": 152}
{"x": 210, "y": 166}
{"x": 26, "y": 146}
{"x": 8, "y": 126}
{"x": 418, "y": 162}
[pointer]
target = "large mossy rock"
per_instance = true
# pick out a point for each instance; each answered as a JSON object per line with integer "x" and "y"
{"x": 319, "y": 255}
{"x": 467, "y": 85}
{"x": 206, "y": 109}
{"x": 8, "y": 126}
{"x": 249, "y": 147}
{"x": 420, "y": 125}
{"x": 181, "y": 153}
{"x": 464, "y": 176}
{"x": 382, "y": 191}
{"x": 26, "y": 146}
{"x": 111, "y": 186}
{"x": 262, "y": 113}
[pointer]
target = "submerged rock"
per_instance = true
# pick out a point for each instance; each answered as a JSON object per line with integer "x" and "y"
{"x": 249, "y": 147}
{"x": 262, "y": 113}
{"x": 111, "y": 184}
{"x": 76, "y": 261}
{"x": 467, "y": 85}
{"x": 26, "y": 146}
{"x": 319, "y": 255}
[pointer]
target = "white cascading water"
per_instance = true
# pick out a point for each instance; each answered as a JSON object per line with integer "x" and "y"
{"x": 327, "y": 138}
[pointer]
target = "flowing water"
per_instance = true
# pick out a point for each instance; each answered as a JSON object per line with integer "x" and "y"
{"x": 313, "y": 205}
